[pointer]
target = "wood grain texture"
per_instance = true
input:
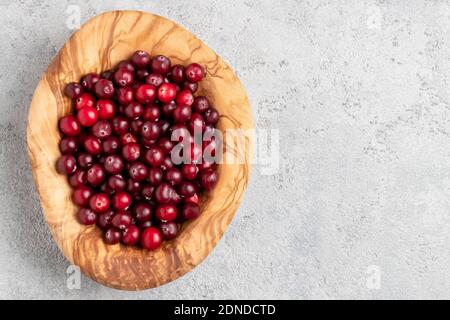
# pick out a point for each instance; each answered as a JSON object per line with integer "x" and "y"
{"x": 99, "y": 45}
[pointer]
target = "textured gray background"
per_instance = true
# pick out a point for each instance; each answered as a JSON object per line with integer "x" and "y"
{"x": 360, "y": 93}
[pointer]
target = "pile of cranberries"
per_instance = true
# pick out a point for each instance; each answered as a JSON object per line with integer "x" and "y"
{"x": 117, "y": 149}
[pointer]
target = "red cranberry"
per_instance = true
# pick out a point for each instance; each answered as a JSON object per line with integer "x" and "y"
{"x": 155, "y": 176}
{"x": 169, "y": 230}
{"x": 137, "y": 171}
{"x": 108, "y": 75}
{"x": 113, "y": 236}
{"x": 163, "y": 193}
{"x": 136, "y": 125}
{"x": 142, "y": 211}
{"x": 104, "y": 188}
{"x": 111, "y": 145}
{"x": 87, "y": 116}
{"x": 104, "y": 219}
{"x": 117, "y": 183}
{"x": 167, "y": 163}
{"x": 147, "y": 191}
{"x": 166, "y": 212}
{"x": 86, "y": 216}
{"x": 211, "y": 116}
{"x": 69, "y": 126}
{"x": 201, "y": 104}
{"x": 187, "y": 189}
{"x": 182, "y": 114}
{"x": 154, "y": 156}
{"x": 127, "y": 138}
{"x": 194, "y": 72}
{"x": 81, "y": 195}
{"x": 123, "y": 77}
{"x": 177, "y": 73}
{"x": 84, "y": 100}
{"x": 184, "y": 98}
{"x": 208, "y": 179}
{"x": 73, "y": 90}
{"x": 151, "y": 113}
{"x": 190, "y": 211}
{"x": 147, "y": 143}
{"x": 160, "y": 64}
{"x": 106, "y": 109}
{"x": 121, "y": 200}
{"x": 85, "y": 160}
{"x": 151, "y": 238}
{"x": 140, "y": 59}
{"x": 66, "y": 164}
{"x": 68, "y": 145}
{"x": 192, "y": 86}
{"x": 89, "y": 81}
{"x": 126, "y": 64}
{"x": 167, "y": 92}
{"x": 194, "y": 199}
{"x": 173, "y": 176}
{"x": 134, "y": 110}
{"x": 120, "y": 125}
{"x": 92, "y": 145}
{"x": 154, "y": 79}
{"x": 145, "y": 93}
{"x": 150, "y": 130}
{"x": 131, "y": 235}
{"x": 96, "y": 175}
{"x": 165, "y": 144}
{"x": 125, "y": 95}
{"x": 141, "y": 74}
{"x": 131, "y": 151}
{"x": 189, "y": 171}
{"x": 121, "y": 220}
{"x": 104, "y": 89}
{"x": 164, "y": 125}
{"x": 78, "y": 178}
{"x": 102, "y": 129}
{"x": 196, "y": 124}
{"x": 113, "y": 164}
{"x": 99, "y": 202}
{"x": 168, "y": 108}
{"x": 134, "y": 187}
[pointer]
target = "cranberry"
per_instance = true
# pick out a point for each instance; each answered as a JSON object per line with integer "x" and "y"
{"x": 73, "y": 90}
{"x": 187, "y": 189}
{"x": 167, "y": 163}
{"x": 155, "y": 176}
{"x": 169, "y": 230}
{"x": 141, "y": 74}
{"x": 193, "y": 199}
{"x": 102, "y": 129}
{"x": 160, "y": 64}
{"x": 142, "y": 211}
{"x": 120, "y": 125}
{"x": 85, "y": 160}
{"x": 166, "y": 212}
{"x": 134, "y": 187}
{"x": 151, "y": 113}
{"x": 173, "y": 176}
{"x": 99, "y": 202}
{"x": 106, "y": 109}
{"x": 111, "y": 145}
{"x": 86, "y": 216}
{"x": 104, "y": 89}
{"x": 131, "y": 235}
{"x": 96, "y": 175}
{"x": 163, "y": 193}
{"x": 154, "y": 156}
{"x": 123, "y": 77}
{"x": 192, "y": 86}
{"x": 84, "y": 100}
{"x": 134, "y": 110}
{"x": 145, "y": 93}
{"x": 182, "y": 114}
{"x": 154, "y": 79}
{"x": 147, "y": 191}
{"x": 113, "y": 236}
{"x": 66, "y": 164}
{"x": 121, "y": 200}
{"x": 189, "y": 171}
{"x": 140, "y": 59}
{"x": 87, "y": 116}
{"x": 78, "y": 178}
{"x": 126, "y": 65}
{"x": 117, "y": 183}
{"x": 177, "y": 73}
{"x": 104, "y": 219}
{"x": 190, "y": 211}
{"x": 137, "y": 171}
{"x": 108, "y": 75}
{"x": 127, "y": 138}
{"x": 184, "y": 98}
{"x": 131, "y": 151}
{"x": 201, "y": 104}
{"x": 151, "y": 238}
{"x": 167, "y": 92}
{"x": 81, "y": 195}
{"x": 196, "y": 124}
{"x": 150, "y": 130}
{"x": 208, "y": 179}
{"x": 194, "y": 72}
{"x": 68, "y": 145}
{"x": 121, "y": 220}
{"x": 164, "y": 125}
{"x": 69, "y": 126}
{"x": 125, "y": 95}
{"x": 211, "y": 116}
{"x": 113, "y": 164}
{"x": 89, "y": 81}
{"x": 92, "y": 145}
{"x": 165, "y": 144}
{"x": 168, "y": 108}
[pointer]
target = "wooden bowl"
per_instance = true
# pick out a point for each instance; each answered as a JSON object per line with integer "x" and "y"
{"x": 99, "y": 45}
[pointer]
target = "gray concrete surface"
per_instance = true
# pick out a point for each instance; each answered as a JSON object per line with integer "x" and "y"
{"x": 360, "y": 205}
